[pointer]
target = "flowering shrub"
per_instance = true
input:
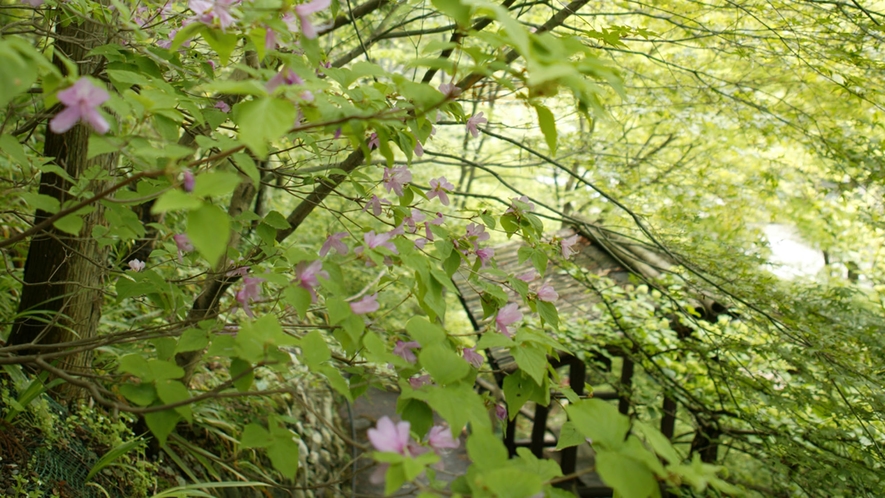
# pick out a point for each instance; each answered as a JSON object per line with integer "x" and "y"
{"x": 279, "y": 94}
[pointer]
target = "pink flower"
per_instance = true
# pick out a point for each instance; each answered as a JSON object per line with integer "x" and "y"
{"x": 183, "y": 243}
{"x": 547, "y": 293}
{"x": 188, "y": 182}
{"x": 501, "y": 412}
{"x": 289, "y": 19}
{"x": 334, "y": 242}
{"x": 389, "y": 437}
{"x": 396, "y": 178}
{"x": 476, "y": 233}
{"x": 222, "y": 106}
{"x": 306, "y": 96}
{"x": 34, "y": 3}
{"x": 287, "y": 77}
{"x": 412, "y": 220}
{"x": 418, "y": 382}
{"x": 136, "y": 265}
{"x": 82, "y": 100}
{"x": 381, "y": 240}
{"x": 404, "y": 350}
{"x": 473, "y": 122}
{"x": 528, "y": 276}
{"x": 270, "y": 39}
{"x": 303, "y": 12}
{"x": 440, "y": 437}
{"x": 485, "y": 255}
{"x": 449, "y": 90}
{"x": 250, "y": 291}
{"x": 374, "y": 141}
{"x": 440, "y": 188}
{"x": 567, "y": 244}
{"x": 439, "y": 220}
{"x": 365, "y": 305}
{"x": 419, "y": 149}
{"x": 375, "y": 203}
{"x": 420, "y": 243}
{"x": 209, "y": 10}
{"x": 473, "y": 357}
{"x": 506, "y": 316}
{"x": 307, "y": 275}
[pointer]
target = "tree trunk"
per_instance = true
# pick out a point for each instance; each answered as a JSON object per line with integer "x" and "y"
{"x": 61, "y": 298}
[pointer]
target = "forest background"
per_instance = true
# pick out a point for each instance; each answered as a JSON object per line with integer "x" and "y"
{"x": 217, "y": 212}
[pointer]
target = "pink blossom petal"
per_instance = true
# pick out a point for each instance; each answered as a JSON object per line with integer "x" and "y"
{"x": 473, "y": 357}
{"x": 440, "y": 437}
{"x": 65, "y": 120}
{"x": 387, "y": 436}
{"x": 365, "y": 305}
{"x": 507, "y": 316}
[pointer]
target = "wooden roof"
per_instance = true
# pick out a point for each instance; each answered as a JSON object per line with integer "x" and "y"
{"x": 600, "y": 252}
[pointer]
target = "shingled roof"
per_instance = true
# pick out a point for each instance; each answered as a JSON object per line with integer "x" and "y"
{"x": 600, "y": 252}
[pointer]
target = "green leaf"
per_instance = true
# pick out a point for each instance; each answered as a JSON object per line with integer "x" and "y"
{"x": 162, "y": 369}
{"x": 454, "y": 9}
{"x": 175, "y": 200}
{"x": 512, "y": 482}
{"x": 114, "y": 454}
{"x": 141, "y": 394}
{"x": 283, "y": 452}
{"x": 276, "y": 220}
{"x": 544, "y": 468}
{"x": 424, "y": 332}
{"x": 162, "y": 423}
{"x": 314, "y": 350}
{"x": 264, "y": 120}
{"x": 494, "y": 341}
{"x": 10, "y": 146}
{"x": 658, "y": 442}
{"x": 71, "y": 224}
{"x": 394, "y": 478}
{"x": 548, "y": 126}
{"x": 417, "y": 413}
{"x": 242, "y": 369}
{"x": 136, "y": 365}
{"x": 531, "y": 359}
{"x": 444, "y": 365}
{"x": 458, "y": 405}
{"x": 338, "y": 310}
{"x": 337, "y": 381}
{"x": 41, "y": 201}
{"x": 601, "y": 422}
{"x": 17, "y": 72}
{"x": 216, "y": 183}
{"x": 548, "y": 313}
{"x": 255, "y": 436}
{"x": 569, "y": 436}
{"x": 208, "y": 228}
{"x": 173, "y": 391}
{"x": 519, "y": 388}
{"x": 299, "y": 298}
{"x": 223, "y": 43}
{"x": 625, "y": 475}
{"x": 486, "y": 450}
{"x": 192, "y": 340}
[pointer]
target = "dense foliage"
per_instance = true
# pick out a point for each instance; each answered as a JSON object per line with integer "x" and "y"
{"x": 214, "y": 210}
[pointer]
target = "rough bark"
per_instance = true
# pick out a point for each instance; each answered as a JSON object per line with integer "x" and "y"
{"x": 61, "y": 298}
